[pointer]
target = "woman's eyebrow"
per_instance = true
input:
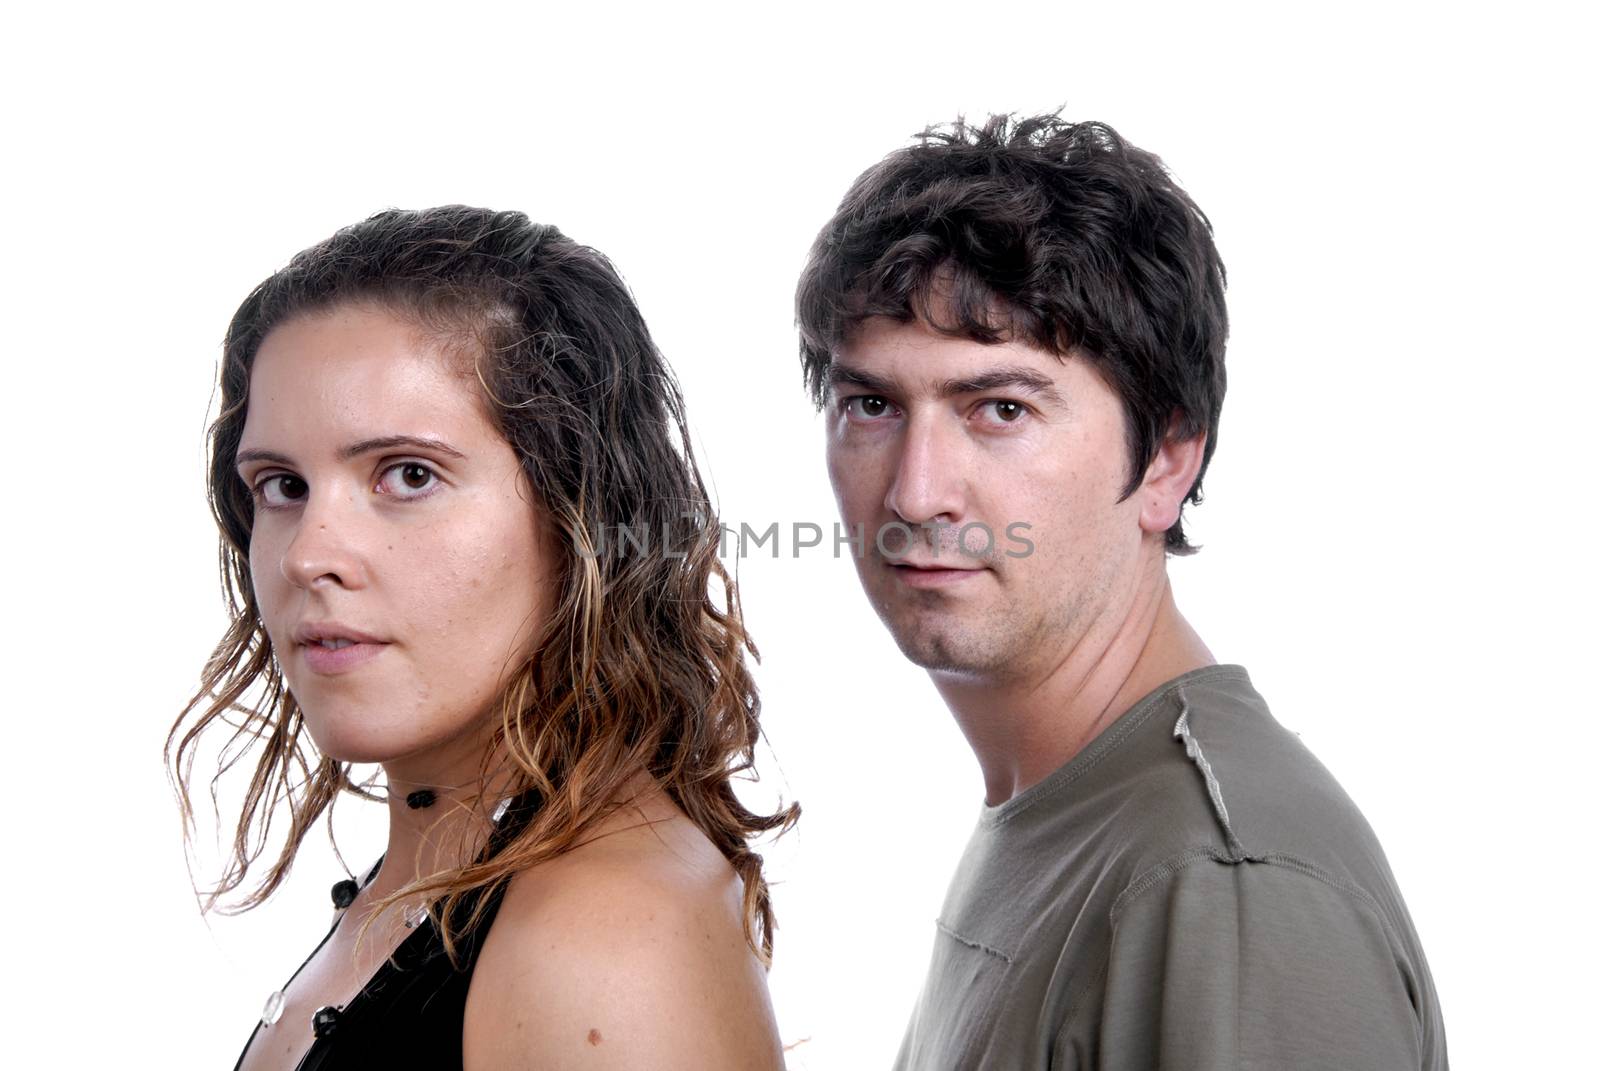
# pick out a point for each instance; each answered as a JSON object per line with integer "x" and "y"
{"x": 389, "y": 442}
{"x": 355, "y": 450}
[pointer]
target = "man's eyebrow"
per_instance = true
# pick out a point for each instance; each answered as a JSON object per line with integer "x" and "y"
{"x": 1014, "y": 377}
{"x": 843, "y": 375}
{"x": 355, "y": 450}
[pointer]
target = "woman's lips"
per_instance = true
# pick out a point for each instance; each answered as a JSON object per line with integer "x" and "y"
{"x": 329, "y": 661}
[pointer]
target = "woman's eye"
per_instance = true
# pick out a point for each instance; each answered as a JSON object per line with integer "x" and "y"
{"x": 408, "y": 479}
{"x": 866, "y": 406}
{"x": 280, "y": 490}
{"x": 1003, "y": 411}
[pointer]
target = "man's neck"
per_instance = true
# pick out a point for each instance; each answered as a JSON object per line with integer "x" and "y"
{"x": 1025, "y": 725}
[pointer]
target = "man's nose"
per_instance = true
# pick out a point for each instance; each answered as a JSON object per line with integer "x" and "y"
{"x": 324, "y": 549}
{"x": 930, "y": 480}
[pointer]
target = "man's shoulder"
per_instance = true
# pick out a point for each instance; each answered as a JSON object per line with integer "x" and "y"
{"x": 1266, "y": 792}
{"x": 1197, "y": 770}
{"x": 1202, "y": 767}
{"x": 1240, "y": 842}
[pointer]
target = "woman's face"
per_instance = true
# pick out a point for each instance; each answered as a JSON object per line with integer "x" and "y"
{"x": 389, "y": 512}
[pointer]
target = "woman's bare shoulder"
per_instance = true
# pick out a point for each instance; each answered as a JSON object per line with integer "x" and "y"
{"x": 627, "y": 951}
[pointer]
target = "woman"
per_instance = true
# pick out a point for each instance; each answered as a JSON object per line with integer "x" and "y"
{"x": 433, "y": 424}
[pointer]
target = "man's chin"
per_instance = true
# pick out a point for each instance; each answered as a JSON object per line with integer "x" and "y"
{"x": 943, "y": 652}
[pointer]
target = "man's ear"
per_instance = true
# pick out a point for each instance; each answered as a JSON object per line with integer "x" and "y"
{"x": 1169, "y": 477}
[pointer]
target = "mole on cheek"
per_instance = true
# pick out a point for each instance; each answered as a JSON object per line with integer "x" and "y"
{"x": 594, "y": 1036}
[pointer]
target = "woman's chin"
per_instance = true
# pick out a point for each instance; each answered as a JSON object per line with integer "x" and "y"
{"x": 357, "y": 744}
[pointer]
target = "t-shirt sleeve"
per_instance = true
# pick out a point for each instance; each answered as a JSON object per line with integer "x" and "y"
{"x": 1253, "y": 965}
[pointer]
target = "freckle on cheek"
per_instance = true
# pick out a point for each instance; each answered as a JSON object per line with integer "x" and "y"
{"x": 594, "y": 1036}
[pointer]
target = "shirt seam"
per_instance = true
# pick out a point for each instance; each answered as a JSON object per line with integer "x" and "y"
{"x": 1101, "y": 751}
{"x": 947, "y": 930}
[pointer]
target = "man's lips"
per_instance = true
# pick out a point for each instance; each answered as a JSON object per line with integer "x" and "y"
{"x": 932, "y": 574}
{"x": 946, "y": 565}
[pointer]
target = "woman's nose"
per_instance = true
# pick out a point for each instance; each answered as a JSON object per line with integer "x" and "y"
{"x": 326, "y": 545}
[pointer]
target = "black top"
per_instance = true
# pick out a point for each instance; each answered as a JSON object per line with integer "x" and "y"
{"x": 409, "y": 1014}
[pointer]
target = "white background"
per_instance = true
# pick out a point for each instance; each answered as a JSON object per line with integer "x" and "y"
{"x": 1399, "y": 518}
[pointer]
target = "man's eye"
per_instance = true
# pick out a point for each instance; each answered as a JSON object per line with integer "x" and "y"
{"x": 1003, "y": 411}
{"x": 866, "y": 406}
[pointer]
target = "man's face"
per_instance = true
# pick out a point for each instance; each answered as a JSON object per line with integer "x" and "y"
{"x": 944, "y": 435}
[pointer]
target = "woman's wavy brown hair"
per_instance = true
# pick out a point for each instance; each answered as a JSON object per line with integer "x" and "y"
{"x": 641, "y": 665}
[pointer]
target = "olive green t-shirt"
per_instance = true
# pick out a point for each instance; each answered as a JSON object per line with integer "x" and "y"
{"x": 1192, "y": 890}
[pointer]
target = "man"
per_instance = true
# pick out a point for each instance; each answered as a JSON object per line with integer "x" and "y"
{"x": 1017, "y": 335}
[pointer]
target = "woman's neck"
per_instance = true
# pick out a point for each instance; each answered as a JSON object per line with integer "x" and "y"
{"x": 435, "y": 828}
{"x": 441, "y": 810}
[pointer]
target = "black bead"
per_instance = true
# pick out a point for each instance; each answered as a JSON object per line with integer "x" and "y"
{"x": 344, "y": 893}
{"x": 422, "y": 797}
{"x": 324, "y": 1021}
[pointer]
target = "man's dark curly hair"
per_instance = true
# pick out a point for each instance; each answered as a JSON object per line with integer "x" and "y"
{"x": 1059, "y": 234}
